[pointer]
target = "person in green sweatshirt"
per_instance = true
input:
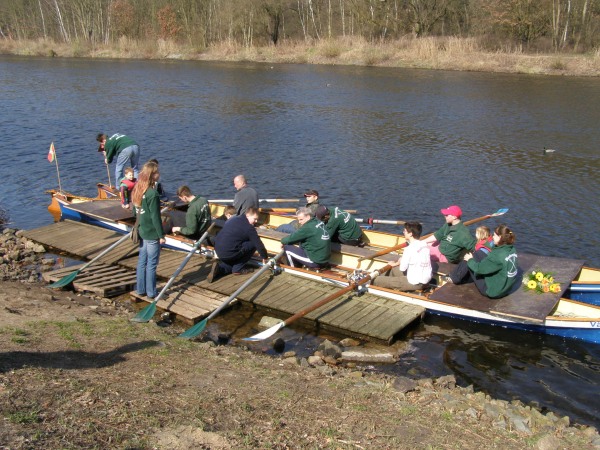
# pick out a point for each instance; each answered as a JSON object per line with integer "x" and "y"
{"x": 197, "y": 218}
{"x": 495, "y": 274}
{"x": 315, "y": 244}
{"x": 122, "y": 147}
{"x": 146, "y": 204}
{"x": 340, "y": 225}
{"x": 452, "y": 240}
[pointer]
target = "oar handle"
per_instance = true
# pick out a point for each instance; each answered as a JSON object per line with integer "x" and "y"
{"x": 247, "y": 283}
{"x": 183, "y": 263}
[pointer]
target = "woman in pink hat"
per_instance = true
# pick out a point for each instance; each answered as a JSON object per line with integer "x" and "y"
{"x": 452, "y": 240}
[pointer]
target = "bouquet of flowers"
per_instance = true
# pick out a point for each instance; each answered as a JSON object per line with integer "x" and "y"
{"x": 541, "y": 282}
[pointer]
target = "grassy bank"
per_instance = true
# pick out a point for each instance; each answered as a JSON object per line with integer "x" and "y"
{"x": 445, "y": 53}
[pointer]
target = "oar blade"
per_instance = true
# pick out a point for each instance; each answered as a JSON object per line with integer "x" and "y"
{"x": 265, "y": 334}
{"x": 66, "y": 280}
{"x": 500, "y": 212}
{"x": 194, "y": 331}
{"x": 145, "y": 314}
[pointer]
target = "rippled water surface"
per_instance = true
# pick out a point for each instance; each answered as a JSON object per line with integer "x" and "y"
{"x": 394, "y": 144}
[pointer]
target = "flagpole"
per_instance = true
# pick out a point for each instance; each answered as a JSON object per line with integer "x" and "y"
{"x": 57, "y": 171}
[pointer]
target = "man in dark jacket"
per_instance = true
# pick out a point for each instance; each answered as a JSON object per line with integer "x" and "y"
{"x": 235, "y": 244}
{"x": 197, "y": 218}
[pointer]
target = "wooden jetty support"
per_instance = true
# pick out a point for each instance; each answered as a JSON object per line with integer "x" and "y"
{"x": 192, "y": 298}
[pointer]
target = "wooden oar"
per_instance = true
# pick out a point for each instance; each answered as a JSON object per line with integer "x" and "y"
{"x": 275, "y": 328}
{"x": 385, "y": 251}
{"x": 371, "y": 221}
{"x": 260, "y": 200}
{"x": 68, "y": 279}
{"x": 293, "y": 210}
{"x": 148, "y": 312}
{"x": 194, "y": 331}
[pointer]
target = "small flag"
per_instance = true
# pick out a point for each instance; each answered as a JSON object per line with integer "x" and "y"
{"x": 51, "y": 153}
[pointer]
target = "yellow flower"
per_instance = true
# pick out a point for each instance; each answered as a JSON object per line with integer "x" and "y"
{"x": 531, "y": 284}
{"x": 555, "y": 288}
{"x": 539, "y": 276}
{"x": 551, "y": 279}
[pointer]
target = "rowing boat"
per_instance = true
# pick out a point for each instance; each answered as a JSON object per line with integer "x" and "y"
{"x": 545, "y": 313}
{"x": 574, "y": 312}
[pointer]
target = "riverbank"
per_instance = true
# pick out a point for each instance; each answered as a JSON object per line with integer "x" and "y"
{"x": 439, "y": 53}
{"x": 75, "y": 372}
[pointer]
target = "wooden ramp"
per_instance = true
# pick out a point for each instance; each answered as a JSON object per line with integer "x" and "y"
{"x": 101, "y": 279}
{"x": 519, "y": 304}
{"x": 191, "y": 298}
{"x": 364, "y": 316}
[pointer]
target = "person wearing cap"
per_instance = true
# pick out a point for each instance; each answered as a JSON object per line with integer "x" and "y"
{"x": 245, "y": 197}
{"x": 452, "y": 240}
{"x": 312, "y": 203}
{"x": 340, "y": 225}
{"x": 312, "y": 200}
{"x": 412, "y": 271}
{"x": 315, "y": 245}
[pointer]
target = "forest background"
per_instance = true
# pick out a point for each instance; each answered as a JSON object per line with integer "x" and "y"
{"x": 526, "y": 36}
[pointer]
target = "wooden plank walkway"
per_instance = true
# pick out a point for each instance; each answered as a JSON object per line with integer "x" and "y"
{"x": 193, "y": 298}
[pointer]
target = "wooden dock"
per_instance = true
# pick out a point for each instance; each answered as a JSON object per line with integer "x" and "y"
{"x": 192, "y": 298}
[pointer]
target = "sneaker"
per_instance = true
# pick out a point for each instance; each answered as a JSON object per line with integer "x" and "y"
{"x": 244, "y": 271}
{"x": 215, "y": 272}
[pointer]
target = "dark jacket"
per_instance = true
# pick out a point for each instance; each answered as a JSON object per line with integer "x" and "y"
{"x": 233, "y": 235}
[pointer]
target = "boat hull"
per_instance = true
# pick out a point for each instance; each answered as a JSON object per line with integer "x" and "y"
{"x": 570, "y": 319}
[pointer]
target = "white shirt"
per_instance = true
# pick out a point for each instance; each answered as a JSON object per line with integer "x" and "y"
{"x": 416, "y": 261}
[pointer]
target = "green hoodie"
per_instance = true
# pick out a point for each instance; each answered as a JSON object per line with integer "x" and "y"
{"x": 197, "y": 218}
{"x": 314, "y": 239}
{"x": 115, "y": 144}
{"x": 344, "y": 224}
{"x": 150, "y": 222}
{"x": 454, "y": 241}
{"x": 499, "y": 269}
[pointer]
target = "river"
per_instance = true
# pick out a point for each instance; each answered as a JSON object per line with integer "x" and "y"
{"x": 392, "y": 143}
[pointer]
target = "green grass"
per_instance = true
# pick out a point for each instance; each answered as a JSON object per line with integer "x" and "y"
{"x": 25, "y": 417}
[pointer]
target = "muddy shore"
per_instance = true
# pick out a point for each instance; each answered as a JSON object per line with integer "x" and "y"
{"x": 76, "y": 373}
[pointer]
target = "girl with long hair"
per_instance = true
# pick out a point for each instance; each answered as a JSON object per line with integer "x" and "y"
{"x": 146, "y": 203}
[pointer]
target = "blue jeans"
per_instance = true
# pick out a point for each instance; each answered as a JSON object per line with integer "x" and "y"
{"x": 128, "y": 157}
{"x": 146, "y": 267}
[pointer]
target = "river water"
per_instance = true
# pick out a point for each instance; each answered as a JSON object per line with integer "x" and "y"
{"x": 392, "y": 143}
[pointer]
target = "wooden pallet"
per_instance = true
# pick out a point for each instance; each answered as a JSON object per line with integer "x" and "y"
{"x": 101, "y": 279}
{"x": 190, "y": 303}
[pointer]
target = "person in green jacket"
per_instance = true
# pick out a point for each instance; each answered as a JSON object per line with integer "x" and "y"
{"x": 496, "y": 273}
{"x": 452, "y": 240}
{"x": 125, "y": 149}
{"x": 340, "y": 225}
{"x": 146, "y": 204}
{"x": 197, "y": 218}
{"x": 315, "y": 244}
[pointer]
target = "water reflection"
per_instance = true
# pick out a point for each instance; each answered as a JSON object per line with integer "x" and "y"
{"x": 395, "y": 144}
